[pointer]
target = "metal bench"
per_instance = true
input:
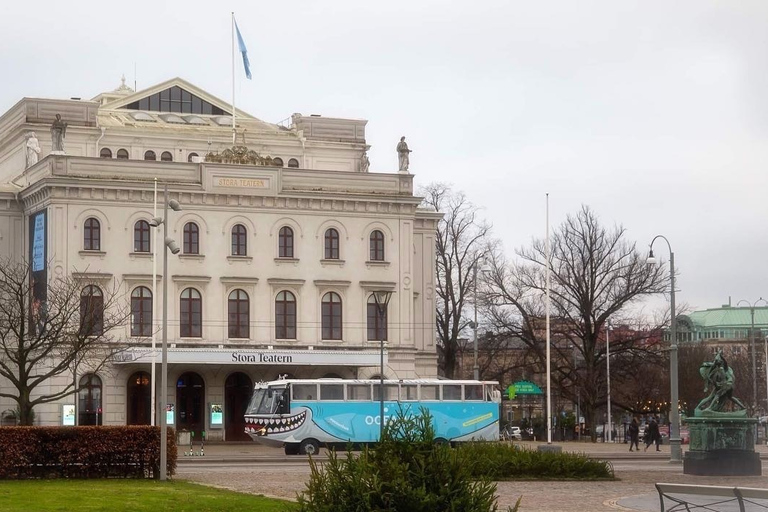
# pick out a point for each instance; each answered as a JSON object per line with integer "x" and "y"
{"x": 679, "y": 496}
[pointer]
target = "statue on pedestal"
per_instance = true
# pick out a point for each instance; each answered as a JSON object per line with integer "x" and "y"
{"x": 58, "y": 132}
{"x": 402, "y": 155}
{"x": 32, "y": 149}
{"x": 365, "y": 164}
{"x": 718, "y": 378}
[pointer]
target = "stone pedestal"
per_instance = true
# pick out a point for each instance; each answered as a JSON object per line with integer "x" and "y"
{"x": 722, "y": 446}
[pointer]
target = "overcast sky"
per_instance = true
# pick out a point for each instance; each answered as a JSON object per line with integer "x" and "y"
{"x": 652, "y": 113}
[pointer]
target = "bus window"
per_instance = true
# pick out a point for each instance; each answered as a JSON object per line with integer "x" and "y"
{"x": 359, "y": 392}
{"x": 473, "y": 392}
{"x": 331, "y": 391}
{"x": 390, "y": 392}
{"x": 408, "y": 392}
{"x": 451, "y": 391}
{"x": 429, "y": 392}
{"x": 305, "y": 392}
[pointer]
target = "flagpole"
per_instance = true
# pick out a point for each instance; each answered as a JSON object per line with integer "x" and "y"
{"x": 234, "y": 126}
{"x": 154, "y": 308}
{"x": 549, "y": 383}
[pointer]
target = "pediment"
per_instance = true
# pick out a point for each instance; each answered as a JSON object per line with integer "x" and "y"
{"x": 175, "y": 96}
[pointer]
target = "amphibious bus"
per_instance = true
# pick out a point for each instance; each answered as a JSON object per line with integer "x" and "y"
{"x": 301, "y": 415}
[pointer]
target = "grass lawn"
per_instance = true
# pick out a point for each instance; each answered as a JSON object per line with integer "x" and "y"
{"x": 128, "y": 495}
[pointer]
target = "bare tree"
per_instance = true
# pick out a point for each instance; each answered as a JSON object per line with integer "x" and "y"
{"x": 596, "y": 275}
{"x": 461, "y": 241}
{"x": 69, "y": 330}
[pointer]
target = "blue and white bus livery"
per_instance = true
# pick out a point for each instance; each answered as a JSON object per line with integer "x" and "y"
{"x": 303, "y": 414}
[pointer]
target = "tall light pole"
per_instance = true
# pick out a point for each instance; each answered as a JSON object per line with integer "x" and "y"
{"x": 476, "y": 368}
{"x": 608, "y": 376}
{"x": 675, "y": 450}
{"x": 169, "y": 245}
{"x": 381, "y": 297}
{"x": 752, "y": 344}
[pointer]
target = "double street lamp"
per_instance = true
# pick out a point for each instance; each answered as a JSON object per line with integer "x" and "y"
{"x": 676, "y": 452}
{"x": 170, "y": 245}
{"x": 752, "y": 344}
{"x": 381, "y": 298}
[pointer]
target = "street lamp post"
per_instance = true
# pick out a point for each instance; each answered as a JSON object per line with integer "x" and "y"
{"x": 675, "y": 450}
{"x": 381, "y": 297}
{"x": 752, "y": 343}
{"x": 169, "y": 244}
{"x": 608, "y": 377}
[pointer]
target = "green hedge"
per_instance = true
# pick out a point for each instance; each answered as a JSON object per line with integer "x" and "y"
{"x": 502, "y": 461}
{"x": 406, "y": 471}
{"x": 83, "y": 452}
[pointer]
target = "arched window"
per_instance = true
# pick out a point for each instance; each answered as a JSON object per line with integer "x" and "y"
{"x": 166, "y": 156}
{"x": 122, "y": 154}
{"x": 377, "y": 321}
{"x": 150, "y": 155}
{"x": 141, "y": 312}
{"x": 331, "y": 244}
{"x": 285, "y": 316}
{"x": 277, "y": 161}
{"x": 191, "y": 321}
{"x": 239, "y": 240}
{"x": 191, "y": 238}
{"x": 293, "y": 163}
{"x": 331, "y": 316}
{"x": 91, "y": 311}
{"x": 285, "y": 249}
{"x": 141, "y": 236}
{"x": 89, "y": 396}
{"x": 105, "y": 153}
{"x": 191, "y": 156}
{"x": 377, "y": 246}
{"x": 239, "y": 317}
{"x": 92, "y": 235}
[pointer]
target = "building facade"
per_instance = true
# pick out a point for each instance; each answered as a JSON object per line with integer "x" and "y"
{"x": 284, "y": 235}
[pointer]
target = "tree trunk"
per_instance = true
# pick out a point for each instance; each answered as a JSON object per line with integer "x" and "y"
{"x": 26, "y": 414}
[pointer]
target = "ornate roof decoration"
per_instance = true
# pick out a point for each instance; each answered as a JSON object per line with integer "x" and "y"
{"x": 123, "y": 89}
{"x": 240, "y": 154}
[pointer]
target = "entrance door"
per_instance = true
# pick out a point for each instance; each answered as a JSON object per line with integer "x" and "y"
{"x": 190, "y": 404}
{"x": 237, "y": 394}
{"x": 139, "y": 399}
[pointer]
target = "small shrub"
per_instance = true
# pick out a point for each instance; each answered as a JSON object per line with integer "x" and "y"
{"x": 501, "y": 461}
{"x": 83, "y": 452}
{"x": 405, "y": 472}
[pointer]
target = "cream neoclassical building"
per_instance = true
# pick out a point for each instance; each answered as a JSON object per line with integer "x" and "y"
{"x": 279, "y": 254}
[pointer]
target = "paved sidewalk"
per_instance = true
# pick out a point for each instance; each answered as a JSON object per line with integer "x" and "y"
{"x": 633, "y": 490}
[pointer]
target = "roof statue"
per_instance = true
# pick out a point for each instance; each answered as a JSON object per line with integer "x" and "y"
{"x": 33, "y": 149}
{"x": 403, "y": 155}
{"x": 240, "y": 155}
{"x": 719, "y": 380}
{"x": 58, "y": 132}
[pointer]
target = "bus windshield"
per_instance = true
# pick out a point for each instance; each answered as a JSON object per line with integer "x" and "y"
{"x": 265, "y": 401}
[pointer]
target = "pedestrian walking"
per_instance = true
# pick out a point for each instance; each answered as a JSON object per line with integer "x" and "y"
{"x": 634, "y": 434}
{"x": 652, "y": 435}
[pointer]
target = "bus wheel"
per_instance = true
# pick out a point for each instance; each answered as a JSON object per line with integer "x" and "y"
{"x": 309, "y": 447}
{"x": 440, "y": 441}
{"x": 291, "y": 449}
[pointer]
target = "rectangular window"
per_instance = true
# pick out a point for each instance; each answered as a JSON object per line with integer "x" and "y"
{"x": 429, "y": 392}
{"x": 331, "y": 391}
{"x": 305, "y": 392}
{"x": 358, "y": 392}
{"x": 390, "y": 392}
{"x": 451, "y": 391}
{"x": 408, "y": 392}
{"x": 473, "y": 392}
